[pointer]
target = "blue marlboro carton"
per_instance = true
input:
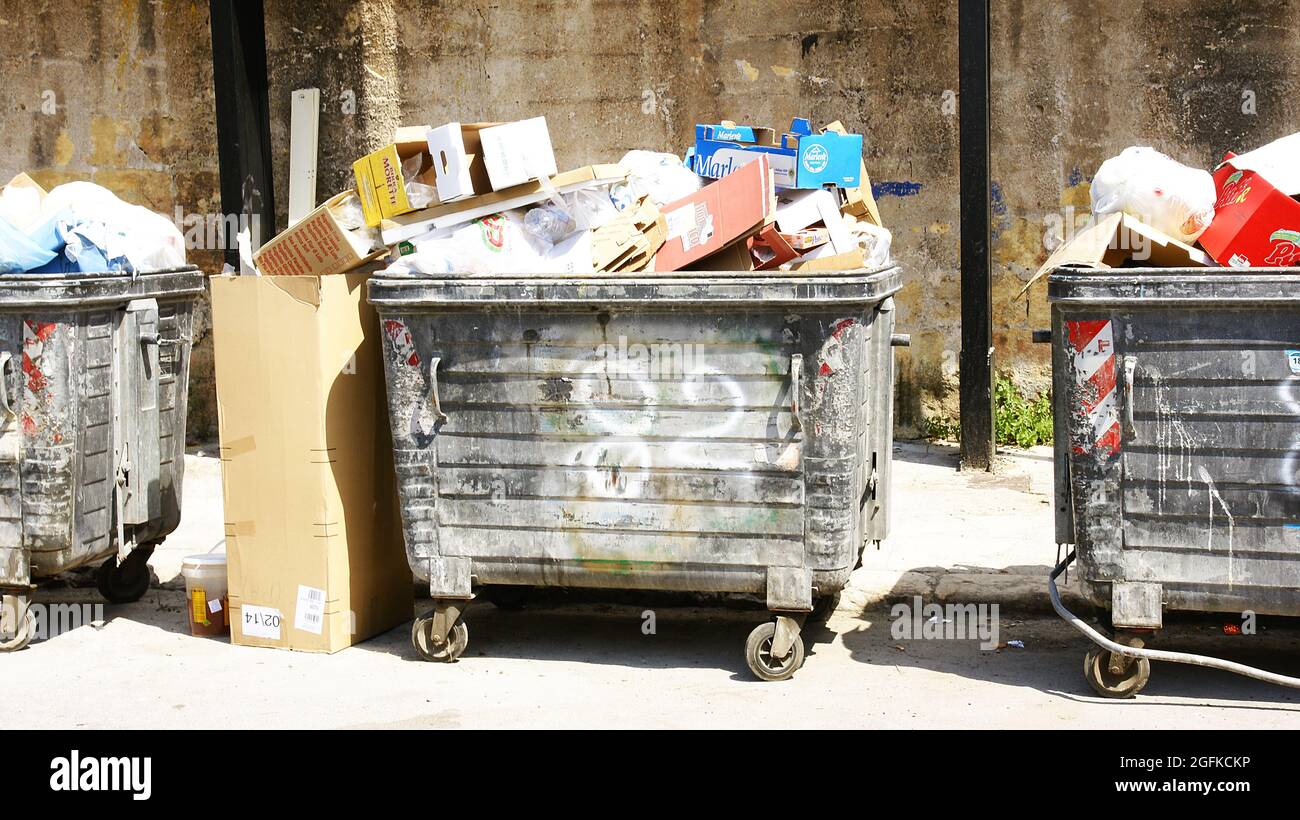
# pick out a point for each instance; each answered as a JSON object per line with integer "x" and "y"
{"x": 799, "y": 159}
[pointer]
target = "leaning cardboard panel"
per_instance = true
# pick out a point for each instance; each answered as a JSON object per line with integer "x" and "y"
{"x": 1119, "y": 240}
{"x": 316, "y": 559}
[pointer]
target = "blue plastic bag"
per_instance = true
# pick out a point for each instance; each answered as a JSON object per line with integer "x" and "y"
{"x": 19, "y": 252}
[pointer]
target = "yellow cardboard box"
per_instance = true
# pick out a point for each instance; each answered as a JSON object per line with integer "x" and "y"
{"x": 379, "y": 175}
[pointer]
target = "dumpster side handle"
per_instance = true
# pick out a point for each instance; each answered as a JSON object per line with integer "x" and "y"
{"x": 1130, "y": 370}
{"x": 1155, "y": 654}
{"x": 6, "y": 365}
{"x": 796, "y": 384}
{"x": 433, "y": 388}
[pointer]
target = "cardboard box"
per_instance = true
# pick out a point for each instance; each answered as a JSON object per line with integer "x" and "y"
{"x": 851, "y": 260}
{"x": 313, "y": 539}
{"x": 800, "y": 159}
{"x": 1256, "y": 224}
{"x": 379, "y": 174}
{"x": 446, "y": 215}
{"x": 1119, "y": 240}
{"x": 317, "y": 245}
{"x": 807, "y": 238}
{"x": 704, "y": 222}
{"x": 478, "y": 157}
{"x": 628, "y": 242}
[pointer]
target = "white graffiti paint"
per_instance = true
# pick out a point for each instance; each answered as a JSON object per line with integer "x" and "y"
{"x": 1214, "y": 496}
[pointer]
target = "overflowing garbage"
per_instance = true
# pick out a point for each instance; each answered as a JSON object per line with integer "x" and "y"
{"x": 1149, "y": 210}
{"x": 484, "y": 199}
{"x": 80, "y": 227}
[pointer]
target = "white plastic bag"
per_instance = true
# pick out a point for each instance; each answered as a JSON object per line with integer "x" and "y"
{"x": 1157, "y": 190}
{"x": 662, "y": 177}
{"x": 145, "y": 239}
{"x": 496, "y": 244}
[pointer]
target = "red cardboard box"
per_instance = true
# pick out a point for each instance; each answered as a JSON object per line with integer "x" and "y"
{"x": 720, "y": 212}
{"x": 1255, "y": 224}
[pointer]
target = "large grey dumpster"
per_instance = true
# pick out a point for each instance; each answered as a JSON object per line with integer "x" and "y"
{"x": 703, "y": 432}
{"x": 93, "y": 385}
{"x": 1177, "y": 399}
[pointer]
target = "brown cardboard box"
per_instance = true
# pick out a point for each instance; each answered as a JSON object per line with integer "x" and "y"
{"x": 1119, "y": 240}
{"x": 313, "y": 537}
{"x": 317, "y": 245}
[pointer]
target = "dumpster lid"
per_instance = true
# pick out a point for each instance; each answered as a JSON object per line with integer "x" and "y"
{"x": 666, "y": 289}
{"x": 1147, "y": 287}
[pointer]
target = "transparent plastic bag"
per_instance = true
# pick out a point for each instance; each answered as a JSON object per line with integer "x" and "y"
{"x": 662, "y": 177}
{"x": 419, "y": 194}
{"x": 1157, "y": 190}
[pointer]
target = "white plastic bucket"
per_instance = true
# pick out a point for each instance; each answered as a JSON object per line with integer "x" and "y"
{"x": 206, "y": 589}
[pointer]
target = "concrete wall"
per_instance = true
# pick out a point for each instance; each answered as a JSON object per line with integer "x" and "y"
{"x": 1073, "y": 84}
{"x": 119, "y": 94}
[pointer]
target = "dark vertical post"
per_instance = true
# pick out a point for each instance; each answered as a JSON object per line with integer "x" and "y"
{"x": 977, "y": 444}
{"x": 243, "y": 119}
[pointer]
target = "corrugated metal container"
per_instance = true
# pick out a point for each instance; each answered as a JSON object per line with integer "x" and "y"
{"x": 703, "y": 432}
{"x": 93, "y": 385}
{"x": 1178, "y": 440}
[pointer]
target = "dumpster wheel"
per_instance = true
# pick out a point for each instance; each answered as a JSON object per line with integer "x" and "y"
{"x": 1098, "y": 669}
{"x": 422, "y": 640}
{"x": 22, "y": 633}
{"x": 758, "y": 654}
{"x": 127, "y": 582}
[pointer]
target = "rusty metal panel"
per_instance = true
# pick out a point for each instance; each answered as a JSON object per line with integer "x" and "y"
{"x": 1183, "y": 443}
{"x": 671, "y": 433}
{"x": 62, "y": 337}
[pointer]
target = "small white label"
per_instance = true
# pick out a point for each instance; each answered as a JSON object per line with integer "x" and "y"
{"x": 214, "y": 605}
{"x": 261, "y": 622}
{"x": 309, "y": 615}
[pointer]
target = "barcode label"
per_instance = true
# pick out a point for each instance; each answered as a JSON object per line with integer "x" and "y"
{"x": 309, "y": 615}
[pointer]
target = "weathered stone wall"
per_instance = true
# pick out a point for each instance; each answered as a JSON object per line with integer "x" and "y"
{"x": 119, "y": 94}
{"x": 1074, "y": 83}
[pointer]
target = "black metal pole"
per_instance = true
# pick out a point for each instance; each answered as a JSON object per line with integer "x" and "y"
{"x": 976, "y": 360}
{"x": 243, "y": 120}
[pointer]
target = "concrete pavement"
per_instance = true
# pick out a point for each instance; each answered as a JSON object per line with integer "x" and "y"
{"x": 956, "y": 536}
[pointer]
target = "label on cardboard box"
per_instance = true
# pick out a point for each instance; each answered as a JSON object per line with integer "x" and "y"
{"x": 261, "y": 622}
{"x": 309, "y": 613}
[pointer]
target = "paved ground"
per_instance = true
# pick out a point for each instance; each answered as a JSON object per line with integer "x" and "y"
{"x": 960, "y": 537}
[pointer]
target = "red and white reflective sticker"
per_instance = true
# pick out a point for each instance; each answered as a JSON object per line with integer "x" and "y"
{"x": 1092, "y": 344}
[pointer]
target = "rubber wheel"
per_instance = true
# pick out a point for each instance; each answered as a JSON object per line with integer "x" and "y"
{"x": 1096, "y": 668}
{"x": 23, "y": 635}
{"x": 824, "y": 607}
{"x": 422, "y": 640}
{"x": 127, "y": 582}
{"x": 758, "y": 654}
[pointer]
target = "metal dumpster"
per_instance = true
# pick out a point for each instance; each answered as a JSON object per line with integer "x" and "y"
{"x": 1177, "y": 401}
{"x": 93, "y": 384}
{"x": 710, "y": 432}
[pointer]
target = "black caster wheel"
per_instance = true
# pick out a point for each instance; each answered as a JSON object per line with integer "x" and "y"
{"x": 17, "y": 623}
{"x": 1096, "y": 668}
{"x": 127, "y": 582}
{"x": 758, "y": 654}
{"x": 422, "y": 640}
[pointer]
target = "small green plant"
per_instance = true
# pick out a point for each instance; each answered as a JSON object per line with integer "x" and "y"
{"x": 938, "y": 428}
{"x": 1021, "y": 421}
